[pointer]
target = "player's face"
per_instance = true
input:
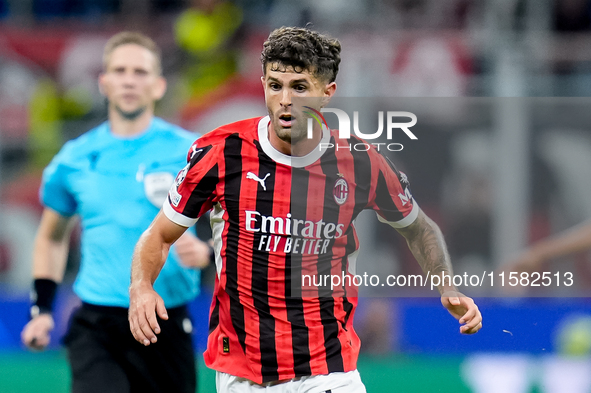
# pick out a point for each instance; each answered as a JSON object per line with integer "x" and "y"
{"x": 130, "y": 81}
{"x": 281, "y": 84}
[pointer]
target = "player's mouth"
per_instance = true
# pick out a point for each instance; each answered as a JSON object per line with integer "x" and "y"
{"x": 285, "y": 120}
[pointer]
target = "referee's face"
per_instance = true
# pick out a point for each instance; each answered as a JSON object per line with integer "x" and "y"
{"x": 282, "y": 83}
{"x": 131, "y": 82}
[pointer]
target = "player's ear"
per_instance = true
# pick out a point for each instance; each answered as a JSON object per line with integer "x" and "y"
{"x": 264, "y": 75}
{"x": 329, "y": 91}
{"x": 159, "y": 88}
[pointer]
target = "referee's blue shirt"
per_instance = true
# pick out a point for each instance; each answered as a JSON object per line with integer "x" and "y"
{"x": 117, "y": 186}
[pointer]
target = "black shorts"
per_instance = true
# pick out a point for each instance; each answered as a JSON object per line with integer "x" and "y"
{"x": 104, "y": 356}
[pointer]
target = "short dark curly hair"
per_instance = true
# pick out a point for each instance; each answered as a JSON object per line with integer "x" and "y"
{"x": 302, "y": 49}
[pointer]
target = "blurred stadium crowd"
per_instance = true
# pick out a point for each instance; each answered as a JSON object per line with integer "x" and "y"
{"x": 493, "y": 188}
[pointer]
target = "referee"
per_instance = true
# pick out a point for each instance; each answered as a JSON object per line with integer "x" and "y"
{"x": 115, "y": 178}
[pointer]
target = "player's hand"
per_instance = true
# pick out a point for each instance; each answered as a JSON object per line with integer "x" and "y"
{"x": 144, "y": 304}
{"x": 463, "y": 308}
{"x": 192, "y": 252}
{"x": 35, "y": 334}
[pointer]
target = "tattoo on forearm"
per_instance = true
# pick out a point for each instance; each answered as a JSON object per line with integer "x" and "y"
{"x": 426, "y": 242}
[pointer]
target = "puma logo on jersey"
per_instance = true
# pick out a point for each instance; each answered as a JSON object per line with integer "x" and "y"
{"x": 252, "y": 176}
{"x": 195, "y": 151}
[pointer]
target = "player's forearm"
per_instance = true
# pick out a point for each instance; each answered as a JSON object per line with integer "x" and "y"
{"x": 152, "y": 250}
{"x": 427, "y": 244}
{"x": 149, "y": 256}
{"x": 574, "y": 240}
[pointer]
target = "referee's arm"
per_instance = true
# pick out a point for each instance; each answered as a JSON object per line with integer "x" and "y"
{"x": 49, "y": 262}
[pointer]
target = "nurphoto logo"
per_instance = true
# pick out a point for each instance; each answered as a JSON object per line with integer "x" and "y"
{"x": 393, "y": 122}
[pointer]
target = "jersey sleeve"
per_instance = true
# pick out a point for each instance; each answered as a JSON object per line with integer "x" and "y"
{"x": 54, "y": 192}
{"x": 194, "y": 190}
{"x": 393, "y": 201}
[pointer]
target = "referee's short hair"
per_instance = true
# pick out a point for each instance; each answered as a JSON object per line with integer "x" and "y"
{"x": 130, "y": 37}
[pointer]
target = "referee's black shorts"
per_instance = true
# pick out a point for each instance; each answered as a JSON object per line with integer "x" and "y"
{"x": 104, "y": 356}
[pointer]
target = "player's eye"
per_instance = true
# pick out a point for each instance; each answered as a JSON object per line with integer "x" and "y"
{"x": 299, "y": 88}
{"x": 275, "y": 86}
{"x": 141, "y": 72}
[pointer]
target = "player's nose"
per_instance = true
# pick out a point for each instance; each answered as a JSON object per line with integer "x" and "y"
{"x": 285, "y": 98}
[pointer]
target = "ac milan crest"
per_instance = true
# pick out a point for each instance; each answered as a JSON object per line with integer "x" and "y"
{"x": 181, "y": 176}
{"x": 340, "y": 190}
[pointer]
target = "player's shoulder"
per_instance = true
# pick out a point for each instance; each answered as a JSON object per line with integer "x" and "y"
{"x": 244, "y": 129}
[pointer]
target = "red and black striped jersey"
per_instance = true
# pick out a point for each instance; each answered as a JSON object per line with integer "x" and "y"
{"x": 275, "y": 218}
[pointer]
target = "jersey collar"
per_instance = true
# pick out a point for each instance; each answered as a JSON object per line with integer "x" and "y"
{"x": 277, "y": 156}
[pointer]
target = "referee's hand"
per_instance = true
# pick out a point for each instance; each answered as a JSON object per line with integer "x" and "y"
{"x": 144, "y": 303}
{"x": 35, "y": 334}
{"x": 192, "y": 252}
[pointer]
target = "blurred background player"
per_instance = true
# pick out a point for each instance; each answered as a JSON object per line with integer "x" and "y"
{"x": 573, "y": 240}
{"x": 115, "y": 178}
{"x": 262, "y": 333}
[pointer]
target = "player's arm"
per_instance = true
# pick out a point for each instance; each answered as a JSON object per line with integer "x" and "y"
{"x": 425, "y": 240}
{"x": 571, "y": 241}
{"x": 49, "y": 262}
{"x": 149, "y": 256}
{"x": 427, "y": 244}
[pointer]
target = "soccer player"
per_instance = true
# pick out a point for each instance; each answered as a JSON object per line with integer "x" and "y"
{"x": 115, "y": 178}
{"x": 282, "y": 206}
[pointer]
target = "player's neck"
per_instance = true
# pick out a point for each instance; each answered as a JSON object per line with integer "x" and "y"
{"x": 125, "y": 127}
{"x": 298, "y": 149}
